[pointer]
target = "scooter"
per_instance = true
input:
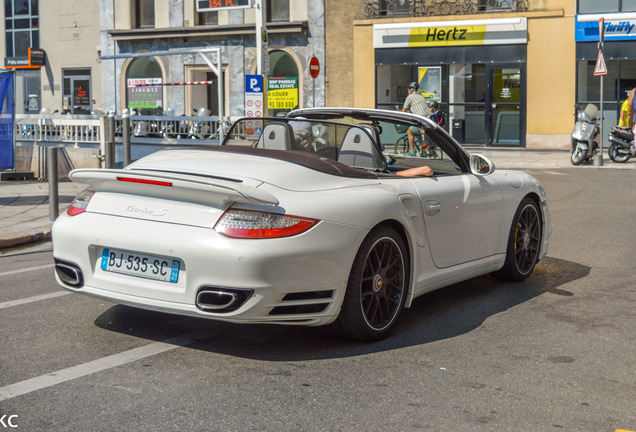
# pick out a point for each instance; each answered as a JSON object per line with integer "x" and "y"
{"x": 622, "y": 144}
{"x": 200, "y": 129}
{"x": 585, "y": 135}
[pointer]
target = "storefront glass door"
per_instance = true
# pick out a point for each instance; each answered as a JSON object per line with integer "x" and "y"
{"x": 504, "y": 106}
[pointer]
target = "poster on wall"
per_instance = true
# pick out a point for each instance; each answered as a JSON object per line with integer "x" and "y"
{"x": 145, "y": 93}
{"x": 430, "y": 79}
{"x": 282, "y": 93}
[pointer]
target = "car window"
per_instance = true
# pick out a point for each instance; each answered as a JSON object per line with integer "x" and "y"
{"x": 354, "y": 145}
{"x": 429, "y": 149}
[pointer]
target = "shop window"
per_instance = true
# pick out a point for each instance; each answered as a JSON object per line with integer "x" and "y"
{"x": 21, "y": 27}
{"x": 76, "y": 95}
{"x": 203, "y": 96}
{"x": 147, "y": 99}
{"x": 605, "y": 6}
{"x": 283, "y": 67}
{"x": 145, "y": 13}
{"x": 208, "y": 18}
{"x": 277, "y": 10}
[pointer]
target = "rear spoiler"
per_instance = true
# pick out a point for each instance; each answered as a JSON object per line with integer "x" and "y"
{"x": 180, "y": 186}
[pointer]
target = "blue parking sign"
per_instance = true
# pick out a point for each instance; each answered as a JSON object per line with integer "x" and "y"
{"x": 253, "y": 83}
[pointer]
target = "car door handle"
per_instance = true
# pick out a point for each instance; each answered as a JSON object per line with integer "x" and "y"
{"x": 432, "y": 207}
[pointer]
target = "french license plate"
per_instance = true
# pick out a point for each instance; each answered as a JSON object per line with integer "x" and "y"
{"x": 145, "y": 266}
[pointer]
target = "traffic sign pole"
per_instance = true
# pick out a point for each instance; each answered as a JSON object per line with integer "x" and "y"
{"x": 597, "y": 160}
{"x": 314, "y": 71}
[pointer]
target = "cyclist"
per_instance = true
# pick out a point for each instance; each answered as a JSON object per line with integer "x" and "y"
{"x": 416, "y": 104}
{"x": 436, "y": 115}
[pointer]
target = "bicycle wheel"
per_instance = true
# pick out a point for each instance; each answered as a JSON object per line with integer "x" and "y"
{"x": 402, "y": 145}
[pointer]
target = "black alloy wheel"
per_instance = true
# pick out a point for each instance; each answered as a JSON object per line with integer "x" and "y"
{"x": 524, "y": 243}
{"x": 377, "y": 287}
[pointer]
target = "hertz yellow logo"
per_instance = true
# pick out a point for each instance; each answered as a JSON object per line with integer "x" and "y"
{"x": 444, "y": 36}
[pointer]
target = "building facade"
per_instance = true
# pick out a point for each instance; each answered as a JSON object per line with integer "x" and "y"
{"x": 507, "y": 72}
{"x": 295, "y": 34}
{"x": 68, "y": 77}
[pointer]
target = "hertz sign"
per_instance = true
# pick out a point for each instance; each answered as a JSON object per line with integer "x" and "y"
{"x": 215, "y": 5}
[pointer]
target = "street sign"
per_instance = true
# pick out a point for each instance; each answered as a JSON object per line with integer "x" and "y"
{"x": 314, "y": 67}
{"x": 282, "y": 93}
{"x": 254, "y": 96}
{"x": 36, "y": 57}
{"x": 215, "y": 5}
{"x": 600, "y": 68}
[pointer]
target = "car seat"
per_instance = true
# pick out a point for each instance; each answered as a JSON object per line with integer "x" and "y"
{"x": 276, "y": 136}
{"x": 358, "y": 150}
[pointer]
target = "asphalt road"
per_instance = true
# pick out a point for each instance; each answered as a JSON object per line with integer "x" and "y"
{"x": 554, "y": 353}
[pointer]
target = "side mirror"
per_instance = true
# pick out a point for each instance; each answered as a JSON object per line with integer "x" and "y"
{"x": 480, "y": 165}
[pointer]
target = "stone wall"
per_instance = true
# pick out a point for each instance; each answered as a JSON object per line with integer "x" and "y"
{"x": 33, "y": 159}
{"x": 339, "y": 67}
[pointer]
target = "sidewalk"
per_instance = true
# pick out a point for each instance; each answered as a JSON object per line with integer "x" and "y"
{"x": 24, "y": 210}
{"x": 24, "y": 206}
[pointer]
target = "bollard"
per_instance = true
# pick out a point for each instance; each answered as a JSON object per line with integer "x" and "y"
{"x": 51, "y": 173}
{"x": 125, "y": 129}
{"x": 110, "y": 142}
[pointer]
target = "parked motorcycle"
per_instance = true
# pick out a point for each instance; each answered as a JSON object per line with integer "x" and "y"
{"x": 585, "y": 135}
{"x": 200, "y": 129}
{"x": 621, "y": 147}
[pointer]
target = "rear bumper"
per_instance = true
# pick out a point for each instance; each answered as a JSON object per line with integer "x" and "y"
{"x": 282, "y": 275}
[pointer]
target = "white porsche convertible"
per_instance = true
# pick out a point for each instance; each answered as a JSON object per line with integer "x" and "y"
{"x": 300, "y": 220}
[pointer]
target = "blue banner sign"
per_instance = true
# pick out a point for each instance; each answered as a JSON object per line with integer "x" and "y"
{"x": 615, "y": 29}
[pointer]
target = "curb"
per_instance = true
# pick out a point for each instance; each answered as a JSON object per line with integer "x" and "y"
{"x": 12, "y": 240}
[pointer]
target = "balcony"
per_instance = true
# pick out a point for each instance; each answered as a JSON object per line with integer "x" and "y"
{"x": 422, "y": 8}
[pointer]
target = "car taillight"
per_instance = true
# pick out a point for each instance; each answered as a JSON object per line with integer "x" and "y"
{"x": 248, "y": 224}
{"x": 79, "y": 204}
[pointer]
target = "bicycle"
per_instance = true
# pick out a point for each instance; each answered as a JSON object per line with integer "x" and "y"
{"x": 402, "y": 144}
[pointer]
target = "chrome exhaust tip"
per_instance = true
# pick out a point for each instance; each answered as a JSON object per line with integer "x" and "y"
{"x": 69, "y": 273}
{"x": 221, "y": 299}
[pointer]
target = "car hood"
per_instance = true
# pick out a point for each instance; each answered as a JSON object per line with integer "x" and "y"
{"x": 306, "y": 173}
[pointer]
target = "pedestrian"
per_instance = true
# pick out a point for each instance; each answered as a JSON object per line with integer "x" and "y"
{"x": 623, "y": 119}
{"x": 416, "y": 104}
{"x": 438, "y": 117}
{"x": 631, "y": 117}
{"x": 436, "y": 114}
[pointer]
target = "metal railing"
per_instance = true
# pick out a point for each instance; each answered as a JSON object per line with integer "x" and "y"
{"x": 420, "y": 8}
{"x": 88, "y": 130}
{"x": 64, "y": 129}
{"x": 202, "y": 130}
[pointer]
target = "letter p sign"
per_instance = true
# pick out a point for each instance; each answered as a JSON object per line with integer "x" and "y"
{"x": 254, "y": 83}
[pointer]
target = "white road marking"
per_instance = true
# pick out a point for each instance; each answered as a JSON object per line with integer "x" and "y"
{"x": 105, "y": 363}
{"x": 555, "y": 173}
{"x": 24, "y": 270}
{"x": 18, "y": 302}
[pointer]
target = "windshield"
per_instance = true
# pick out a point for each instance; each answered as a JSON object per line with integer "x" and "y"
{"x": 353, "y": 145}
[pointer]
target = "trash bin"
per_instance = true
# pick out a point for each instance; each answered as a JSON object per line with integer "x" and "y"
{"x": 458, "y": 130}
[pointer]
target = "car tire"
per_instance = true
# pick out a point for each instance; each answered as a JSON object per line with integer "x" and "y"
{"x": 376, "y": 289}
{"x": 524, "y": 243}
